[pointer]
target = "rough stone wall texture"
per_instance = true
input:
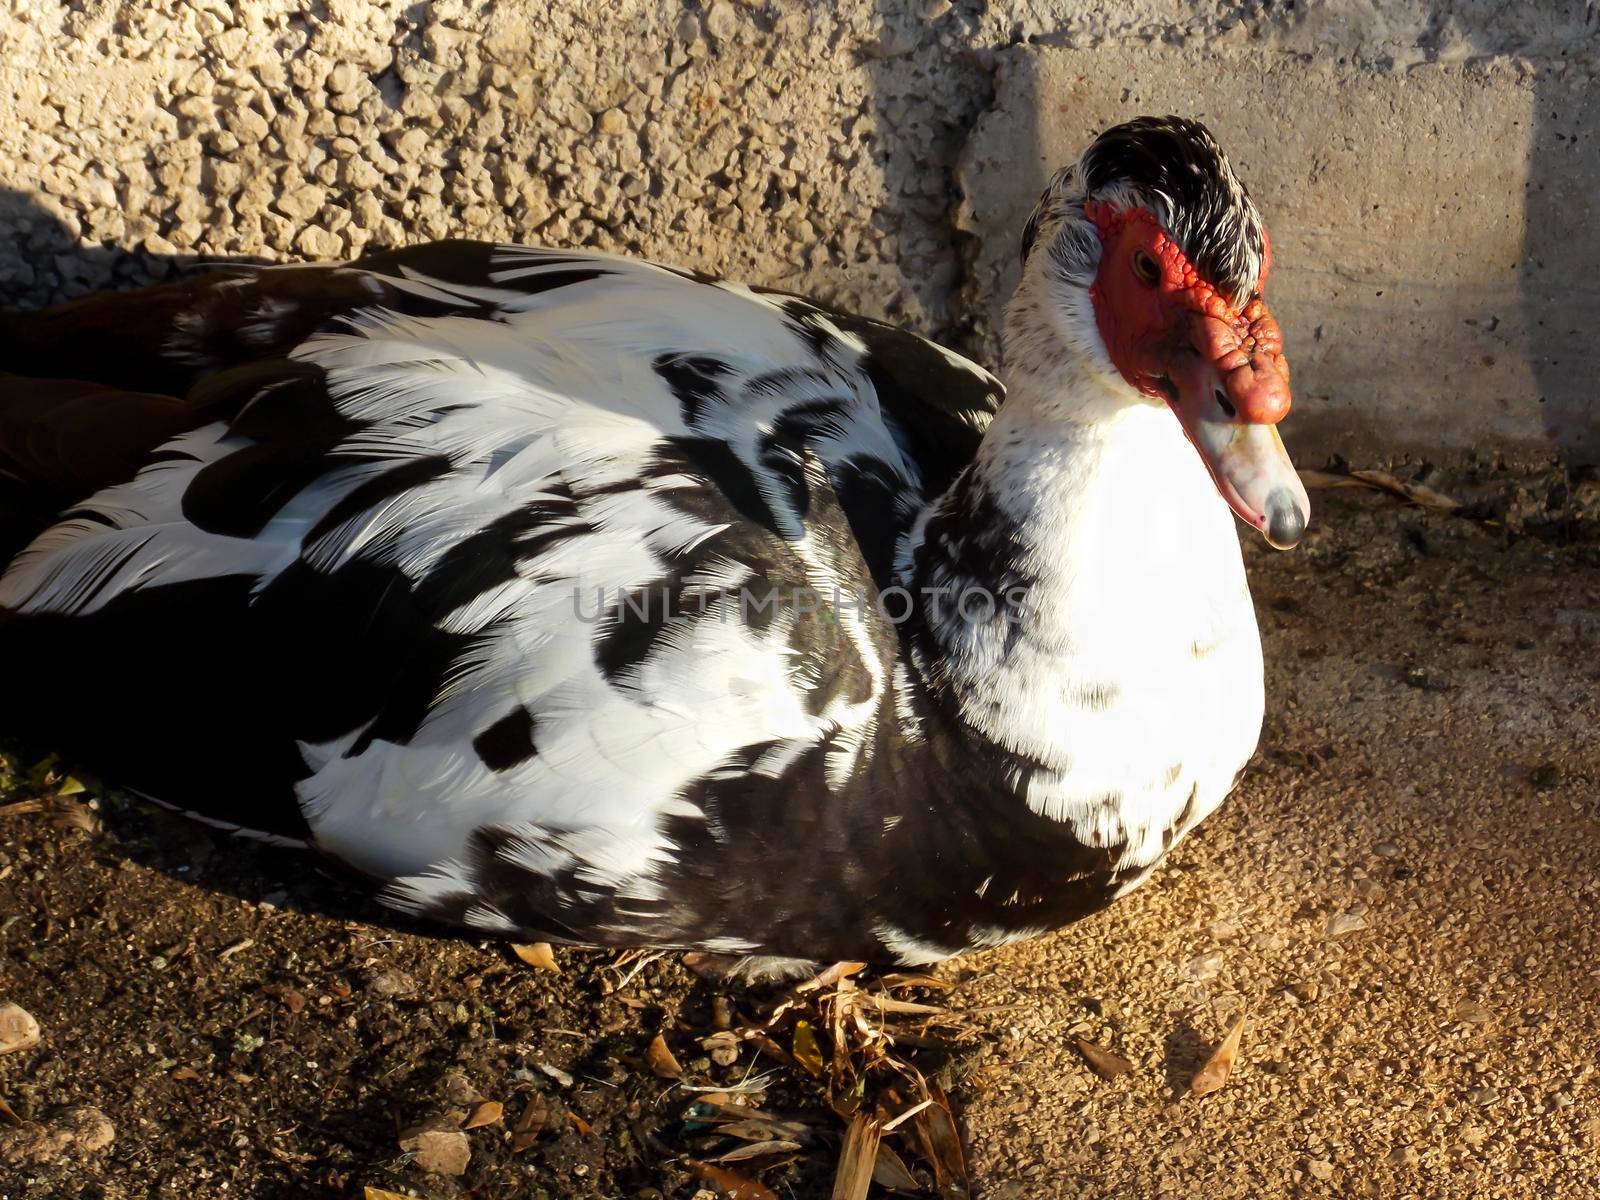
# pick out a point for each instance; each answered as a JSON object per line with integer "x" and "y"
{"x": 798, "y": 144}
{"x": 876, "y": 152}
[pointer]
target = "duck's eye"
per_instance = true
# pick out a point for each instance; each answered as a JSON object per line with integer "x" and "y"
{"x": 1146, "y": 268}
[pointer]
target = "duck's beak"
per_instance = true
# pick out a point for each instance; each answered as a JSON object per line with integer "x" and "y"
{"x": 1229, "y": 398}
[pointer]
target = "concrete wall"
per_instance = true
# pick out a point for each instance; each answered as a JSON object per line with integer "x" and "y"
{"x": 1428, "y": 168}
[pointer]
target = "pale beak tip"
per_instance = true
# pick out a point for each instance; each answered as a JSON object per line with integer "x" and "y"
{"x": 1286, "y": 520}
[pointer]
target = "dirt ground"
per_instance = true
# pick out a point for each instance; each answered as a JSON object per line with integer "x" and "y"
{"x": 1401, "y": 896}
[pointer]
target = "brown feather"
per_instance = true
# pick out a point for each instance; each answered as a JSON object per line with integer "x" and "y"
{"x": 162, "y": 339}
{"x": 63, "y": 439}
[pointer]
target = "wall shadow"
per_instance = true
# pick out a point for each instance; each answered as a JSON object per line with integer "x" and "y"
{"x": 1561, "y": 289}
{"x": 921, "y": 131}
{"x": 35, "y": 236}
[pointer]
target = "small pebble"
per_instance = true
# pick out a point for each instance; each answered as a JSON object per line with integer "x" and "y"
{"x": 394, "y": 984}
{"x": 722, "y": 1047}
{"x": 1344, "y": 923}
{"x": 1470, "y": 1012}
{"x": 18, "y": 1029}
{"x": 721, "y": 21}
{"x": 343, "y": 78}
{"x": 438, "y": 1147}
{"x": 458, "y": 1090}
{"x": 314, "y": 242}
{"x": 409, "y": 146}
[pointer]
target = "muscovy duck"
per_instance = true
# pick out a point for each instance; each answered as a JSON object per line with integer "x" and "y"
{"x": 579, "y": 598}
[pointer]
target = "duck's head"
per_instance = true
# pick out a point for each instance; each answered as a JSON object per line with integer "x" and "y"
{"x": 1145, "y": 261}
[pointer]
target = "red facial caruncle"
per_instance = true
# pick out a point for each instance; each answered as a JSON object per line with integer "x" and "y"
{"x": 1171, "y": 334}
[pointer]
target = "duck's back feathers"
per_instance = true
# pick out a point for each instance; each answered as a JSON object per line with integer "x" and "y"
{"x": 472, "y": 561}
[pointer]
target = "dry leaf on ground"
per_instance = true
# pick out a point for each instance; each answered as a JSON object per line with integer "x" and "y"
{"x": 485, "y": 1112}
{"x": 373, "y": 1193}
{"x": 537, "y": 954}
{"x": 530, "y": 1124}
{"x": 907, "y": 1115}
{"x": 806, "y": 1050}
{"x": 661, "y": 1060}
{"x": 1219, "y": 1066}
{"x": 730, "y": 1184}
{"x": 1102, "y": 1061}
{"x": 941, "y": 1145}
{"x": 853, "y": 1176}
{"x": 890, "y": 1171}
{"x": 757, "y": 1150}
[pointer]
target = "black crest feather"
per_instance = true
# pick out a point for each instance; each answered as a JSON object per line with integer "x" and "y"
{"x": 1181, "y": 170}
